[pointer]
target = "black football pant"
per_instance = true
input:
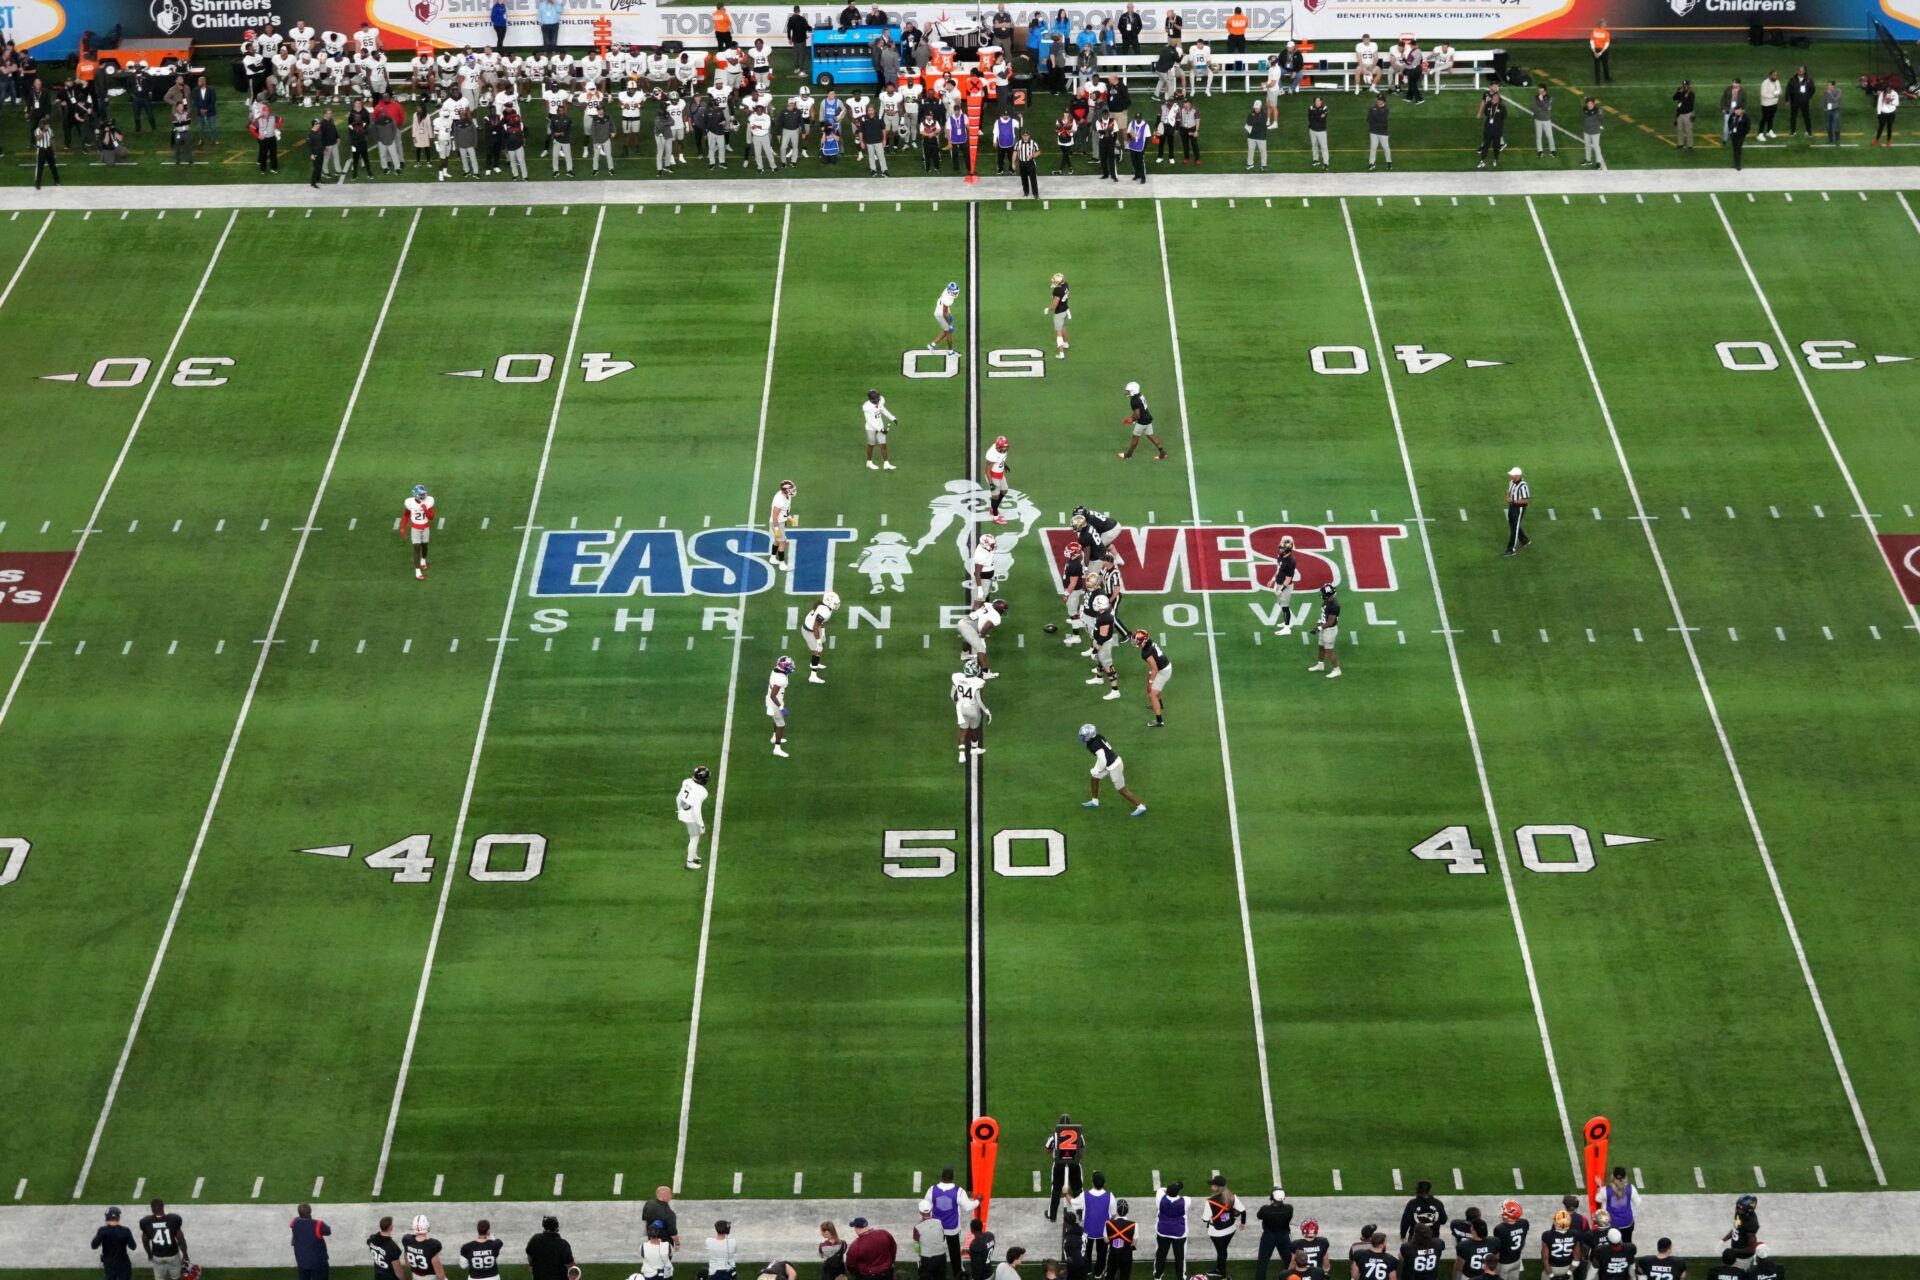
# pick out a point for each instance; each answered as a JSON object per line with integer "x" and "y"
{"x": 1177, "y": 1246}
{"x": 1120, "y": 1265}
{"x": 1516, "y": 536}
{"x": 1066, "y": 1173}
{"x": 1272, "y": 1242}
{"x": 1796, "y": 112}
{"x": 1220, "y": 1244}
{"x": 1097, "y": 1258}
{"x": 1030, "y": 179}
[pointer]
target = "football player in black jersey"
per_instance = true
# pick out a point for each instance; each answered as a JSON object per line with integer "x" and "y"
{"x": 1329, "y": 629}
{"x": 1106, "y": 635}
{"x": 482, "y": 1253}
{"x": 1471, "y": 1250}
{"x": 1510, "y": 1239}
{"x": 1422, "y": 1210}
{"x": 1159, "y": 671}
{"x": 1073, "y": 582}
{"x": 388, "y": 1264}
{"x": 1376, "y": 1263}
{"x": 1765, "y": 1268}
{"x": 1662, "y": 1265}
{"x": 1140, "y": 418}
{"x": 1728, "y": 1268}
{"x": 423, "y": 1251}
{"x": 1612, "y": 1257}
{"x": 1094, "y": 529}
{"x": 1559, "y": 1248}
{"x": 1304, "y": 1268}
{"x": 1059, "y": 307}
{"x": 1420, "y": 1255}
{"x": 1313, "y": 1246}
{"x": 1746, "y": 1227}
{"x": 1108, "y": 764}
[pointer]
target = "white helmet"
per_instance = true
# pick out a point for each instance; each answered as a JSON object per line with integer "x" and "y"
{"x": 1286, "y": 542}
{"x": 831, "y": 599}
{"x": 988, "y": 541}
{"x": 1133, "y": 388}
{"x": 1102, "y": 603}
{"x": 420, "y": 1224}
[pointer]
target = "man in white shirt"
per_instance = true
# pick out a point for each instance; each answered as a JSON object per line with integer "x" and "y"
{"x": 302, "y": 36}
{"x": 880, "y": 421}
{"x": 1366, "y": 72}
{"x": 723, "y": 1254}
{"x": 690, "y": 807}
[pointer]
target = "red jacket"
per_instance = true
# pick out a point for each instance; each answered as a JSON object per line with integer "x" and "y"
{"x": 872, "y": 1253}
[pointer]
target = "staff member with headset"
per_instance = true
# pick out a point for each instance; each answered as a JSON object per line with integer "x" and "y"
{"x": 1226, "y": 1218}
{"x": 1517, "y": 498}
{"x": 1170, "y": 1231}
{"x": 1276, "y": 1231}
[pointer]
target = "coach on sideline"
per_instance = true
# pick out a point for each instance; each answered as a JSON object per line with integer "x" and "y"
{"x": 1517, "y": 498}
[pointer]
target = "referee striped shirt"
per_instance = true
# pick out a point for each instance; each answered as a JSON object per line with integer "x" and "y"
{"x": 1026, "y": 151}
{"x": 1517, "y": 491}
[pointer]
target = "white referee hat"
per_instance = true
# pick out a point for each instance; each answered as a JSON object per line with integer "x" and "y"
{"x": 1515, "y": 473}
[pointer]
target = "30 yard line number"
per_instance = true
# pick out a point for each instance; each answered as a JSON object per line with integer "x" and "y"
{"x": 928, "y": 855}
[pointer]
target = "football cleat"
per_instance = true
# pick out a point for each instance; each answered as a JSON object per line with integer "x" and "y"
{"x": 787, "y": 487}
{"x": 701, "y": 774}
{"x": 1133, "y": 388}
{"x": 831, "y": 599}
{"x": 1000, "y": 606}
{"x": 1000, "y": 442}
{"x": 1088, "y": 733}
{"x": 1510, "y": 1211}
{"x": 783, "y": 664}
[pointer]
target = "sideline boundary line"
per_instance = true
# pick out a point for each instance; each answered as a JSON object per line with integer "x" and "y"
{"x": 1706, "y": 694}
{"x": 155, "y": 381}
{"x": 246, "y": 703}
{"x": 27, "y": 257}
{"x": 1466, "y": 707}
{"x": 1220, "y": 717}
{"x": 452, "y": 871}
{"x": 726, "y": 733}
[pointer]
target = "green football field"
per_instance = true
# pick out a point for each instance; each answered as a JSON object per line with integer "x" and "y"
{"x": 316, "y": 871}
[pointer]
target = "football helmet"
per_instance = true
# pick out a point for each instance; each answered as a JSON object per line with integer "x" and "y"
{"x": 1133, "y": 388}
{"x": 1747, "y": 1203}
{"x": 1326, "y": 590}
{"x": 419, "y": 491}
{"x": 1562, "y": 1220}
{"x": 1140, "y": 637}
{"x": 420, "y": 1224}
{"x": 1102, "y": 602}
{"x": 831, "y": 599}
{"x": 873, "y": 394}
{"x": 1310, "y": 1229}
{"x": 701, "y": 773}
{"x": 783, "y": 664}
{"x": 1059, "y": 277}
{"x": 1286, "y": 542}
{"x": 1088, "y": 733}
{"x": 988, "y": 541}
{"x": 1000, "y": 606}
{"x": 969, "y": 668}
{"x": 1079, "y": 520}
{"x": 1601, "y": 1219}
{"x": 953, "y": 286}
{"x": 787, "y": 487}
{"x": 1510, "y": 1211}
{"x": 1000, "y": 443}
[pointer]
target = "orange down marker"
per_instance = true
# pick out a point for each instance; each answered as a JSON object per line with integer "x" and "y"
{"x": 983, "y": 1149}
{"x": 1596, "y": 1132}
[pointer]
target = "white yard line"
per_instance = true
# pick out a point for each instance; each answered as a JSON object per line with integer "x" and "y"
{"x": 246, "y": 704}
{"x": 1901, "y": 196}
{"x": 154, "y": 384}
{"x": 1466, "y": 708}
{"x": 1706, "y": 694}
{"x": 1791, "y": 354}
{"x": 726, "y": 733}
{"x": 1220, "y": 717}
{"x": 1577, "y": 139}
{"x": 452, "y": 871}
{"x": 975, "y": 798}
{"x": 21, "y": 270}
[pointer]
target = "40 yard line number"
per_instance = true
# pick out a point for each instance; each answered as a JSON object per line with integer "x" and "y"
{"x": 411, "y": 859}
{"x": 1539, "y": 845}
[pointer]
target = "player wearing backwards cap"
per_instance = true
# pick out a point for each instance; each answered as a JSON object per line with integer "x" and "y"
{"x": 423, "y": 1251}
{"x": 969, "y": 705}
{"x": 943, "y": 312}
{"x": 1510, "y": 1239}
{"x": 777, "y": 702}
{"x": 779, "y": 516}
{"x": 1108, "y": 764}
{"x": 1140, "y": 418}
{"x": 417, "y": 521}
{"x": 1058, "y": 306}
{"x": 813, "y": 629}
{"x": 690, "y": 807}
{"x": 1329, "y": 629}
{"x": 997, "y": 477}
{"x": 879, "y": 422}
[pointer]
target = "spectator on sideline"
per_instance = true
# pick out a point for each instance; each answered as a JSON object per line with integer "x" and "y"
{"x": 1734, "y": 95}
{"x": 549, "y": 1256}
{"x": 309, "y": 1243}
{"x": 833, "y": 1252}
{"x": 1771, "y": 91}
{"x": 1832, "y": 101}
{"x": 1377, "y": 132}
{"x": 1590, "y": 126}
{"x": 1129, "y": 25}
{"x": 656, "y": 1254}
{"x": 872, "y": 1253}
{"x": 204, "y": 100}
{"x": 1799, "y": 103}
{"x": 115, "y": 1244}
{"x": 1010, "y": 1268}
{"x": 497, "y": 19}
{"x": 1683, "y": 101}
{"x": 1321, "y": 157}
{"x": 1493, "y": 128}
{"x": 1600, "y": 40}
{"x": 1256, "y": 129}
{"x": 1541, "y": 109}
{"x": 1883, "y": 116}
{"x": 660, "y": 1209}
{"x": 1276, "y": 1232}
{"x": 723, "y": 1252}
{"x": 547, "y": 12}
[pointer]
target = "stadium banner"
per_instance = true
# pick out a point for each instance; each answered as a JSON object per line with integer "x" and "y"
{"x": 52, "y": 28}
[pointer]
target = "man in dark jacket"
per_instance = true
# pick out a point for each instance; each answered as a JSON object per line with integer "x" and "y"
{"x": 1800, "y": 91}
{"x": 548, "y": 1254}
{"x": 1276, "y": 1232}
{"x": 1738, "y": 127}
{"x": 309, "y": 1243}
{"x": 800, "y": 36}
{"x": 1129, "y": 25}
{"x": 115, "y": 1244}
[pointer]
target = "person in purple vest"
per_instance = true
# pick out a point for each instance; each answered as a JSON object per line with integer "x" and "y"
{"x": 949, "y": 1205}
{"x": 1621, "y": 1199}
{"x": 1096, "y": 1210}
{"x": 1170, "y": 1231}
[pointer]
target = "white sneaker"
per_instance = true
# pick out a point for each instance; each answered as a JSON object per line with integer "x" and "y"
{"x": 1287, "y": 630}
{"x": 1318, "y": 666}
{"x": 1096, "y": 679}
{"x": 419, "y": 572}
{"x": 1086, "y": 653}
{"x": 780, "y": 751}
{"x": 1110, "y": 695}
{"x": 1071, "y": 641}
{"x": 815, "y": 679}
{"x": 693, "y": 864}
{"x": 888, "y": 466}
{"x": 979, "y": 751}
{"x": 1334, "y": 674}
{"x": 991, "y": 675}
{"x": 872, "y": 465}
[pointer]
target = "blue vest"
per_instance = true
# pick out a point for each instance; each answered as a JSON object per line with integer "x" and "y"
{"x": 946, "y": 1208}
{"x": 1003, "y": 132}
{"x": 1099, "y": 1208}
{"x": 1173, "y": 1217}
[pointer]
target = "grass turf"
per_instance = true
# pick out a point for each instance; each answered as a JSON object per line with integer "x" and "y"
{"x": 1399, "y": 1027}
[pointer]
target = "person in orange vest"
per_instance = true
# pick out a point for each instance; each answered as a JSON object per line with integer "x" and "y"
{"x": 1237, "y": 35}
{"x": 1600, "y": 40}
{"x": 722, "y": 27}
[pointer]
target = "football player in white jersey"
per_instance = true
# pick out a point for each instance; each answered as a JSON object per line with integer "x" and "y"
{"x": 970, "y": 707}
{"x": 982, "y": 567}
{"x": 301, "y": 35}
{"x": 976, "y": 627}
{"x": 416, "y": 521}
{"x": 997, "y": 477}
{"x": 778, "y": 518}
{"x": 813, "y": 629}
{"x": 777, "y": 702}
{"x": 880, "y": 420}
{"x": 943, "y": 312}
{"x": 690, "y": 807}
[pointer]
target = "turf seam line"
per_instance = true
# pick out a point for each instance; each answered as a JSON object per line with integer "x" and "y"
{"x": 1466, "y": 707}
{"x": 253, "y": 683}
{"x": 726, "y": 733}
{"x": 1693, "y": 657}
{"x": 126, "y": 447}
{"x": 1220, "y": 714}
{"x": 452, "y": 871}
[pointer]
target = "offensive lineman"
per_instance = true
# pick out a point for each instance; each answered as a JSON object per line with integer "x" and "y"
{"x": 976, "y": 627}
{"x": 1073, "y": 583}
{"x": 879, "y": 422}
{"x": 943, "y": 313}
{"x": 1329, "y": 629}
{"x": 1286, "y": 574}
{"x": 1105, "y": 632}
{"x": 969, "y": 705}
{"x": 1107, "y": 764}
{"x": 1058, "y": 307}
{"x": 777, "y": 702}
{"x": 778, "y": 518}
{"x": 1159, "y": 671}
{"x": 1140, "y": 418}
{"x": 1094, "y": 530}
{"x": 417, "y": 519}
{"x": 982, "y": 569}
{"x": 690, "y": 805}
{"x": 813, "y": 628}
{"x": 997, "y": 477}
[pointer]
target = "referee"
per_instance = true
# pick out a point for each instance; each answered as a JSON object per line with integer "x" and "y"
{"x": 1517, "y": 498}
{"x": 1026, "y": 155}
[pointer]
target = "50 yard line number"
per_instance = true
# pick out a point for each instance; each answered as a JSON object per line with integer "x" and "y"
{"x": 928, "y": 855}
